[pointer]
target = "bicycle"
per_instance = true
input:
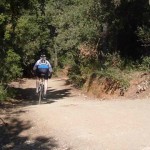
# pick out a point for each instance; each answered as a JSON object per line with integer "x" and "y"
{"x": 41, "y": 88}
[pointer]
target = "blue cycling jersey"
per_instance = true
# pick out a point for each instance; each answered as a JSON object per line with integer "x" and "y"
{"x": 43, "y": 66}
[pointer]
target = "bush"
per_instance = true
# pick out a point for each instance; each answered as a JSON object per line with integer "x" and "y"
{"x": 143, "y": 34}
{"x": 12, "y": 68}
{"x": 77, "y": 80}
{"x": 113, "y": 60}
{"x": 115, "y": 76}
{"x": 74, "y": 70}
{"x": 75, "y": 76}
{"x": 3, "y": 93}
{"x": 145, "y": 65}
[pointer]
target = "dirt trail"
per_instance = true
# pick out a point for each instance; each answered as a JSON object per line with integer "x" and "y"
{"x": 71, "y": 121}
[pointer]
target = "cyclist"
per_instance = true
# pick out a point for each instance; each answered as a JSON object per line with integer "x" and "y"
{"x": 42, "y": 67}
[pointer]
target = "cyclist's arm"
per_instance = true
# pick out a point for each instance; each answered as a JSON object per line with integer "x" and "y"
{"x": 50, "y": 67}
{"x": 35, "y": 66}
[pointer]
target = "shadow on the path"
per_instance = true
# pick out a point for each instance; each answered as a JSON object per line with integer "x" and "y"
{"x": 27, "y": 96}
{"x": 11, "y": 138}
{"x": 58, "y": 94}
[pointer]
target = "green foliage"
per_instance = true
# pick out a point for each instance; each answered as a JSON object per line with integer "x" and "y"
{"x": 66, "y": 60}
{"x": 2, "y": 18}
{"x": 74, "y": 70}
{"x": 77, "y": 80}
{"x": 27, "y": 32}
{"x": 75, "y": 76}
{"x": 23, "y": 30}
{"x": 113, "y": 60}
{"x": 116, "y": 78}
{"x": 145, "y": 65}
{"x": 113, "y": 69}
{"x": 3, "y": 93}
{"x": 144, "y": 35}
{"x": 11, "y": 68}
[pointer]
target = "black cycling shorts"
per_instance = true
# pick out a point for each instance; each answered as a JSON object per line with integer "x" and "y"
{"x": 42, "y": 73}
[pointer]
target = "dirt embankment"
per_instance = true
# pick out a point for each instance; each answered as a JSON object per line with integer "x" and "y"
{"x": 139, "y": 87}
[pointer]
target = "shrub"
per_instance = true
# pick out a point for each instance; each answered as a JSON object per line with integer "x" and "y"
{"x": 12, "y": 68}
{"x": 114, "y": 76}
{"x": 75, "y": 76}
{"x": 3, "y": 93}
{"x": 145, "y": 65}
{"x": 77, "y": 80}
{"x": 113, "y": 60}
{"x": 74, "y": 70}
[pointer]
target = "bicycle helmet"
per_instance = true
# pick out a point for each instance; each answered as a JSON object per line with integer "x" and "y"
{"x": 43, "y": 56}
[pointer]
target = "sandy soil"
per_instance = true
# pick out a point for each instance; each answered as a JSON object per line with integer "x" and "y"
{"x": 68, "y": 120}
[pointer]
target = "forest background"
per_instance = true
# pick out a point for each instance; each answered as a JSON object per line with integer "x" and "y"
{"x": 92, "y": 38}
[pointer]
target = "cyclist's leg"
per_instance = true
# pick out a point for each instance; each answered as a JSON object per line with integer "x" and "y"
{"x": 45, "y": 83}
{"x": 37, "y": 84}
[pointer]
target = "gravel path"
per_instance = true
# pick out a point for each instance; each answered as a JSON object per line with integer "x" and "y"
{"x": 71, "y": 121}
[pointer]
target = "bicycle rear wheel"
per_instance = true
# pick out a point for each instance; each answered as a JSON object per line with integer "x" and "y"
{"x": 40, "y": 93}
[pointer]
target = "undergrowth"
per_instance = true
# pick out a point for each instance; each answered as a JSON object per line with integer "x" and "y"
{"x": 115, "y": 72}
{"x": 145, "y": 65}
{"x": 113, "y": 79}
{"x": 3, "y": 93}
{"x": 75, "y": 76}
